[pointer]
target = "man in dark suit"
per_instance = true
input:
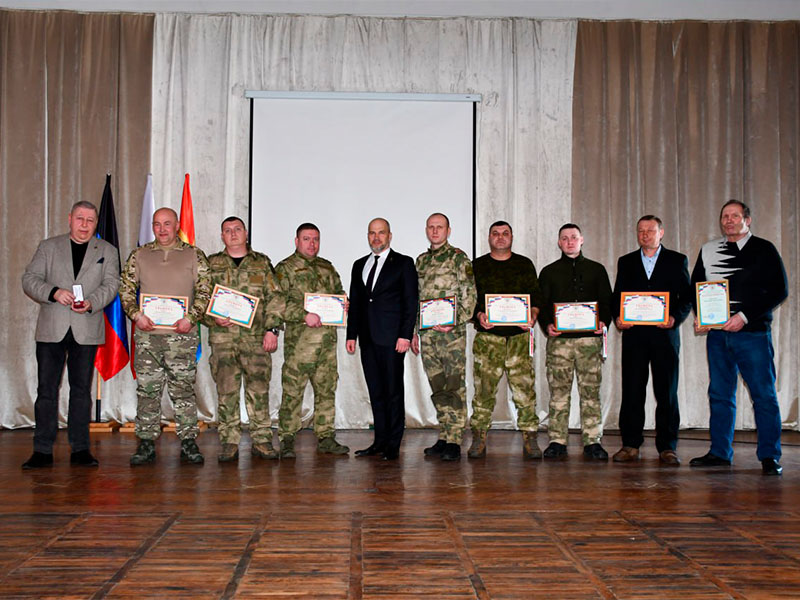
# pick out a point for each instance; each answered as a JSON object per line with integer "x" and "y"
{"x": 383, "y": 311}
{"x": 72, "y": 277}
{"x": 651, "y": 268}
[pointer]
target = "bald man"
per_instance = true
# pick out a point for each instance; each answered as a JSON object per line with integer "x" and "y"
{"x": 166, "y": 352}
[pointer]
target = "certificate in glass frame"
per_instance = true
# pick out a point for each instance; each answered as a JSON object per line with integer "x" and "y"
{"x": 164, "y": 311}
{"x": 576, "y": 316}
{"x": 644, "y": 308}
{"x": 508, "y": 309}
{"x": 227, "y": 303}
{"x": 329, "y": 307}
{"x": 713, "y": 303}
{"x": 437, "y": 311}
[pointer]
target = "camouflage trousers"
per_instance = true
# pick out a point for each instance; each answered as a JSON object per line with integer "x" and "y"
{"x": 444, "y": 356}
{"x": 565, "y": 357}
{"x": 230, "y": 363}
{"x": 301, "y": 365}
{"x": 495, "y": 355}
{"x": 165, "y": 359}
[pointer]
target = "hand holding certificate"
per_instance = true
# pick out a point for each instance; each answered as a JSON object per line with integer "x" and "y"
{"x": 713, "y": 304}
{"x": 437, "y": 311}
{"x": 508, "y": 309}
{"x": 576, "y": 316}
{"x": 163, "y": 311}
{"x": 238, "y": 307}
{"x": 644, "y": 308}
{"x": 331, "y": 308}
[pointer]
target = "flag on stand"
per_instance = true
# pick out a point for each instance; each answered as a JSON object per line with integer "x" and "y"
{"x": 113, "y": 355}
{"x": 186, "y": 233}
{"x": 146, "y": 236}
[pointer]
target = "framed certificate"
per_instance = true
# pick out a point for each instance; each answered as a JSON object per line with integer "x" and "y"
{"x": 508, "y": 309}
{"x": 437, "y": 311}
{"x": 329, "y": 307}
{"x": 227, "y": 303}
{"x": 163, "y": 311}
{"x": 644, "y": 308}
{"x": 576, "y": 316}
{"x": 713, "y": 303}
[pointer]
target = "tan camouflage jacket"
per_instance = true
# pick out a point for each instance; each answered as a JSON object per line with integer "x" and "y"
{"x": 447, "y": 271}
{"x": 254, "y": 276}
{"x": 199, "y": 295}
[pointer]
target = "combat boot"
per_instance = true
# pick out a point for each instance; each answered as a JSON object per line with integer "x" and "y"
{"x": 287, "y": 447}
{"x": 452, "y": 451}
{"x": 329, "y": 445}
{"x": 478, "y": 447}
{"x": 191, "y": 453}
{"x": 145, "y": 453}
{"x": 229, "y": 453}
{"x": 264, "y": 450}
{"x": 530, "y": 449}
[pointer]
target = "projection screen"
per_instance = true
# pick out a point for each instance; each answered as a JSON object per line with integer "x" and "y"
{"x": 338, "y": 160}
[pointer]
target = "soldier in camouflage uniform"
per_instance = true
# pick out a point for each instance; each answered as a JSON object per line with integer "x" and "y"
{"x": 309, "y": 347}
{"x": 446, "y": 271}
{"x": 239, "y": 352}
{"x": 574, "y": 278}
{"x": 506, "y": 348}
{"x": 167, "y": 266}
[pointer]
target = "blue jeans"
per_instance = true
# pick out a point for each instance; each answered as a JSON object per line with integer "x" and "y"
{"x": 751, "y": 354}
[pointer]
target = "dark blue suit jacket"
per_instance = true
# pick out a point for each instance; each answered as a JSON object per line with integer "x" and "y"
{"x": 671, "y": 274}
{"x": 390, "y": 312}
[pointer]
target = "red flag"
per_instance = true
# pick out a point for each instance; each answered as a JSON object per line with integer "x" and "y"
{"x": 186, "y": 230}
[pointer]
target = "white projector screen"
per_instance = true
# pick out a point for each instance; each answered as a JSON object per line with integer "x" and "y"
{"x": 339, "y": 160}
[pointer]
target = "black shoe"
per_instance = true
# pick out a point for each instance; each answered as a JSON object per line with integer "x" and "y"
{"x": 709, "y": 460}
{"x": 145, "y": 453}
{"x": 191, "y": 453}
{"x": 84, "y": 458}
{"x": 373, "y": 450}
{"x": 391, "y": 454}
{"x": 451, "y": 452}
{"x": 555, "y": 450}
{"x": 437, "y": 449}
{"x": 38, "y": 460}
{"x": 770, "y": 466}
{"x": 595, "y": 452}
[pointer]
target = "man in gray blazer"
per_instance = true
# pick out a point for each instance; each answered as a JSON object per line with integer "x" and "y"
{"x": 72, "y": 277}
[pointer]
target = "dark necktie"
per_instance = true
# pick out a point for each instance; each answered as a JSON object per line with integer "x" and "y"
{"x": 371, "y": 276}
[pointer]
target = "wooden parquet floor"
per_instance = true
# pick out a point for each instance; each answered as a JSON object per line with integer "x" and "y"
{"x": 325, "y": 527}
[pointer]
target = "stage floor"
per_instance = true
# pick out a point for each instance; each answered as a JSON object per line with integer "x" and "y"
{"x": 339, "y": 527}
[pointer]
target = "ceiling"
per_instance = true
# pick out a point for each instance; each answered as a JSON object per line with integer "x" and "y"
{"x": 761, "y": 10}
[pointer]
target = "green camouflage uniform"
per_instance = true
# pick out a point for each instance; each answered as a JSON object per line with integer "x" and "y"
{"x": 504, "y": 349}
{"x": 309, "y": 353}
{"x": 575, "y": 353}
{"x": 238, "y": 352}
{"x": 447, "y": 271}
{"x": 166, "y": 357}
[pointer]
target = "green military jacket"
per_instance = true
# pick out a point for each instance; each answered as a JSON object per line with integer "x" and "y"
{"x": 447, "y": 271}
{"x": 200, "y": 290}
{"x": 254, "y": 276}
{"x": 298, "y": 275}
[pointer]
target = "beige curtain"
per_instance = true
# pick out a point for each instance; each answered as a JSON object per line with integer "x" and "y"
{"x": 674, "y": 119}
{"x": 74, "y": 105}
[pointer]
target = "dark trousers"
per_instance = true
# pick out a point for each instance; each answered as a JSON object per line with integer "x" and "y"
{"x": 383, "y": 370}
{"x": 640, "y": 354}
{"x": 50, "y": 359}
